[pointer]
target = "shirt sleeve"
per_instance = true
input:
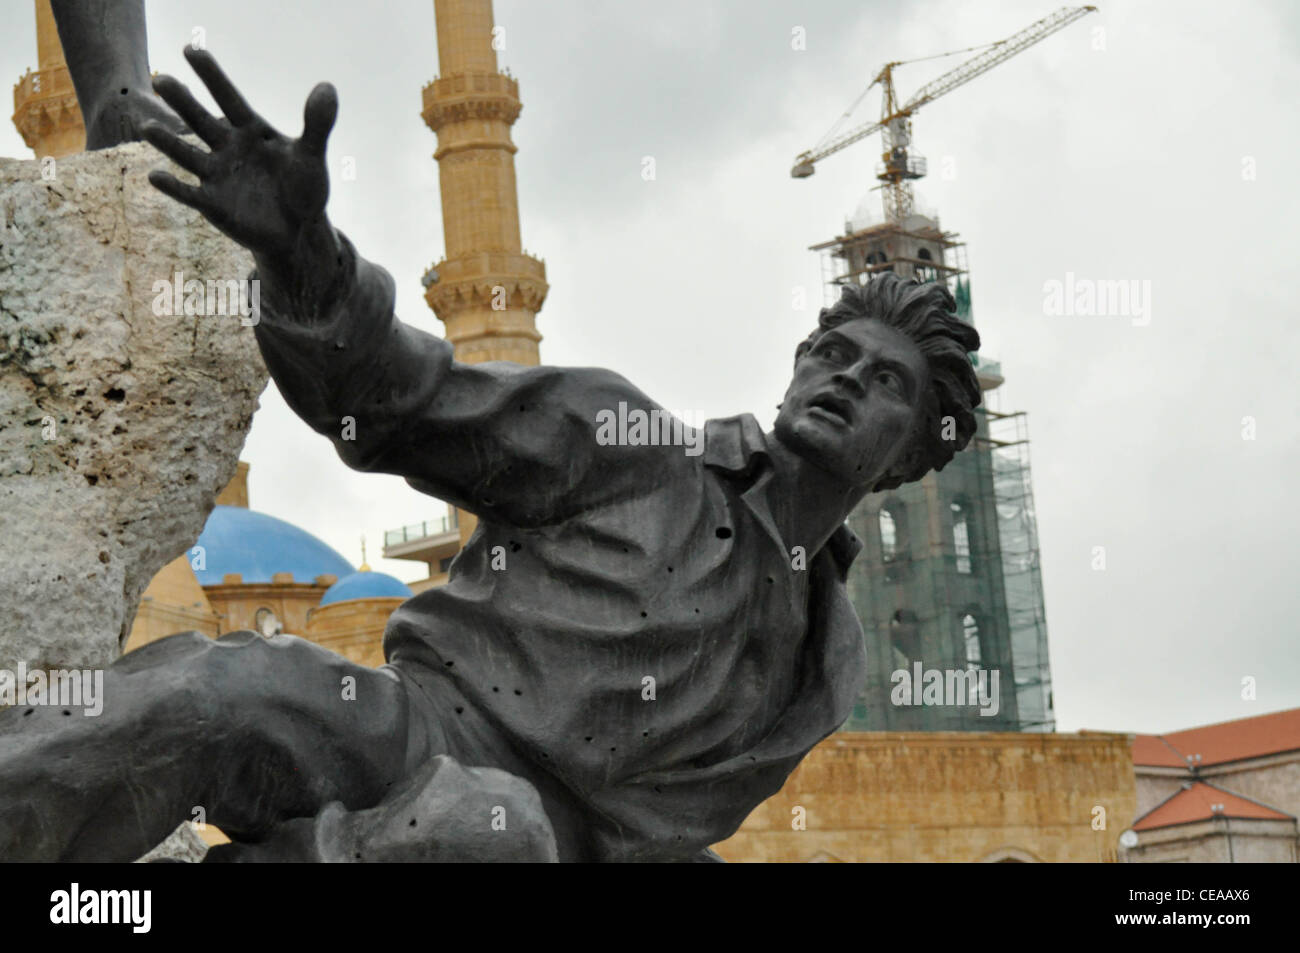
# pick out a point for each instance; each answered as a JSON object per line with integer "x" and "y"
{"x": 500, "y": 440}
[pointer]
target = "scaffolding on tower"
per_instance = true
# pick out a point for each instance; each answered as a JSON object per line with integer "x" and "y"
{"x": 1007, "y": 444}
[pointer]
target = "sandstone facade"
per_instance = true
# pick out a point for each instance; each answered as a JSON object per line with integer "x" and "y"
{"x": 947, "y": 796}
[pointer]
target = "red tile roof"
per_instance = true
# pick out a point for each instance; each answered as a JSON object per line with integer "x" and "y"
{"x": 1218, "y": 744}
{"x": 1197, "y": 802}
{"x": 1151, "y": 750}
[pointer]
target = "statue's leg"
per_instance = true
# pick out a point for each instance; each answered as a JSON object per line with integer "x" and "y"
{"x": 105, "y": 48}
{"x": 241, "y": 732}
{"x": 444, "y": 812}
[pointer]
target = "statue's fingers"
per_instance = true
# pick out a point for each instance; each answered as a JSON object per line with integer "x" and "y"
{"x": 318, "y": 118}
{"x": 189, "y": 195}
{"x": 219, "y": 85}
{"x": 177, "y": 95}
{"x": 188, "y": 157}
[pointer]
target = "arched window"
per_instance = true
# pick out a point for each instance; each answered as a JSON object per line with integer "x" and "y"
{"x": 970, "y": 632}
{"x": 888, "y": 535}
{"x": 266, "y": 622}
{"x": 924, "y": 254}
{"x": 961, "y": 538}
{"x": 1010, "y": 855}
{"x": 893, "y": 531}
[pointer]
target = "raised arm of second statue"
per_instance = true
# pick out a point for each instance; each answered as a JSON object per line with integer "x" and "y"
{"x": 500, "y": 440}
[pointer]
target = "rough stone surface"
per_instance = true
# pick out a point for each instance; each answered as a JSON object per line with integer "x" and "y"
{"x": 182, "y": 846}
{"x": 118, "y": 426}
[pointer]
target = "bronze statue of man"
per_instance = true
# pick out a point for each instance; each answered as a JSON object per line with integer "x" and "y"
{"x": 653, "y": 639}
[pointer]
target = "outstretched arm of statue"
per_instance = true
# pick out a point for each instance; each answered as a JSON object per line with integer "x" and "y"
{"x": 263, "y": 189}
{"x": 499, "y": 440}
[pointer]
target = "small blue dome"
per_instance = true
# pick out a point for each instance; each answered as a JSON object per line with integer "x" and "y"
{"x": 365, "y": 585}
{"x": 239, "y": 540}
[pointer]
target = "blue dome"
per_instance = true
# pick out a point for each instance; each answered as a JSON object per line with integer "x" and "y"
{"x": 365, "y": 585}
{"x": 255, "y": 545}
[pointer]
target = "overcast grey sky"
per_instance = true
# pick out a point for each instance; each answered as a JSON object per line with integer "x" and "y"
{"x": 1161, "y": 149}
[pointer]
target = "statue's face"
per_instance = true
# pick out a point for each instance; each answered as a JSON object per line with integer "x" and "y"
{"x": 855, "y": 400}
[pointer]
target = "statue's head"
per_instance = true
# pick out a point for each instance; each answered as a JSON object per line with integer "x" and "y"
{"x": 883, "y": 390}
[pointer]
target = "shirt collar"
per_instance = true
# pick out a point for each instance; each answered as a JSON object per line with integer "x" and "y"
{"x": 734, "y": 444}
{"x": 737, "y": 446}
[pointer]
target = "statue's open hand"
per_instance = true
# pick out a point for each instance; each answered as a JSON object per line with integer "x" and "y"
{"x": 257, "y": 186}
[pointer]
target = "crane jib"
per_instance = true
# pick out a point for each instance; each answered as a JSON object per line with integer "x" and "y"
{"x": 895, "y": 120}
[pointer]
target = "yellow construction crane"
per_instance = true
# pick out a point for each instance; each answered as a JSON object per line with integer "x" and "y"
{"x": 897, "y": 169}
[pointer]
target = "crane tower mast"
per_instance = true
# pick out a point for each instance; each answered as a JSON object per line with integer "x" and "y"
{"x": 897, "y": 167}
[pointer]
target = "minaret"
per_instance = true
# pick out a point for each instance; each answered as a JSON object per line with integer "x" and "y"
{"x": 486, "y": 290}
{"x": 45, "y": 104}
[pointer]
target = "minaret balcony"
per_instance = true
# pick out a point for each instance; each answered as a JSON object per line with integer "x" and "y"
{"x": 45, "y": 102}
{"x": 465, "y": 96}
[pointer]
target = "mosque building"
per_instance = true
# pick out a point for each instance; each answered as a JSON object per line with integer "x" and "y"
{"x": 250, "y": 570}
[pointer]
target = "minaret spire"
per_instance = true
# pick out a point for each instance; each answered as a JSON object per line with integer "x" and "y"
{"x": 486, "y": 291}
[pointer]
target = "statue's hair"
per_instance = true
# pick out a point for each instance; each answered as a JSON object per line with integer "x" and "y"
{"x": 925, "y": 312}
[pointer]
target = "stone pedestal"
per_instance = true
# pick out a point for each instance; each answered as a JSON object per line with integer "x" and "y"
{"x": 120, "y": 418}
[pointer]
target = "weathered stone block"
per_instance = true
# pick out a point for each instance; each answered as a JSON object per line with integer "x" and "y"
{"x": 119, "y": 420}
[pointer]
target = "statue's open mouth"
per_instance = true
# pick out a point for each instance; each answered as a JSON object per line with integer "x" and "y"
{"x": 835, "y": 407}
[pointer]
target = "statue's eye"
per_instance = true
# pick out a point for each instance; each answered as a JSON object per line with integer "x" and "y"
{"x": 834, "y": 352}
{"x": 891, "y": 382}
